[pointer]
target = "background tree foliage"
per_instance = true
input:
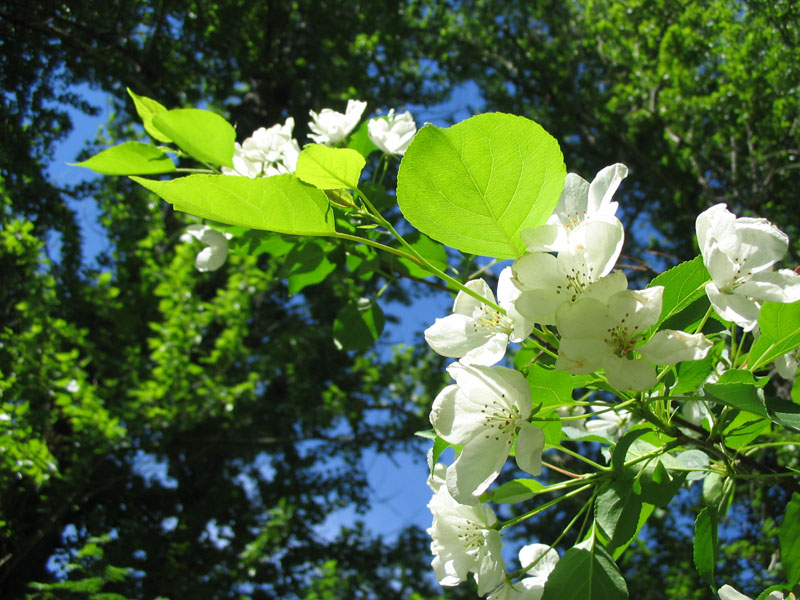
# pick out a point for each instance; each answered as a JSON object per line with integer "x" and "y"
{"x": 176, "y": 434}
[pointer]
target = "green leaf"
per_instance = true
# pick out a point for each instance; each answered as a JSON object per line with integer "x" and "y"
{"x": 585, "y": 575}
{"x": 705, "y": 544}
{"x": 743, "y": 429}
{"x": 517, "y": 490}
{"x": 659, "y": 477}
{"x": 130, "y": 158}
{"x": 697, "y": 461}
{"x": 644, "y": 514}
{"x": 549, "y": 387}
{"x": 330, "y": 168}
{"x": 683, "y": 284}
{"x": 789, "y": 538}
{"x": 306, "y": 265}
{"x": 358, "y": 325}
{"x": 621, "y": 449}
{"x": 281, "y": 203}
{"x": 146, "y": 108}
{"x": 201, "y": 133}
{"x": 737, "y": 388}
{"x": 780, "y": 333}
{"x": 783, "y": 412}
{"x": 617, "y": 511}
{"x": 474, "y": 186}
{"x": 692, "y": 373}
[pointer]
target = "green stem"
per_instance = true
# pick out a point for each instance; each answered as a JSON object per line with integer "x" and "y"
{"x": 588, "y": 461}
{"x": 374, "y": 244}
{"x": 421, "y": 260}
{"x": 545, "y": 506}
{"x": 705, "y": 318}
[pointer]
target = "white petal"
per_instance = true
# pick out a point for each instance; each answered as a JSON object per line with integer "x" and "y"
{"x": 571, "y": 207}
{"x": 531, "y": 554}
{"x": 528, "y": 450}
{"x": 726, "y": 592}
{"x": 538, "y": 270}
{"x": 607, "y": 286}
{"x": 506, "y": 386}
{"x": 669, "y": 347}
{"x": 625, "y": 374}
{"x": 734, "y": 307}
{"x": 465, "y": 304}
{"x": 637, "y": 310}
{"x": 211, "y": 258}
{"x": 454, "y": 336}
{"x": 761, "y": 244}
{"x": 551, "y": 237}
{"x": 478, "y": 465}
{"x": 772, "y": 286}
{"x": 603, "y": 187}
{"x": 488, "y": 354}
{"x": 594, "y": 247}
{"x": 584, "y": 318}
{"x": 716, "y": 225}
{"x": 507, "y": 295}
{"x": 786, "y": 365}
{"x": 580, "y": 356}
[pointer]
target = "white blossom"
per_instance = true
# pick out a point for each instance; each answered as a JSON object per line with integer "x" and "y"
{"x": 213, "y": 256}
{"x": 786, "y": 365}
{"x": 581, "y": 269}
{"x": 598, "y": 334}
{"x": 475, "y": 332}
{"x": 579, "y": 201}
{"x": 393, "y": 133}
{"x": 330, "y": 127}
{"x": 739, "y": 253}
{"x": 610, "y": 423}
{"x": 544, "y": 559}
{"x": 482, "y": 412}
{"x": 727, "y": 592}
{"x": 267, "y": 152}
{"x": 464, "y": 541}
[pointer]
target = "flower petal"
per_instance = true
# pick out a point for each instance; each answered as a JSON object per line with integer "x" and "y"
{"x": 734, "y": 307}
{"x": 668, "y": 347}
{"x": 772, "y": 286}
{"x": 626, "y": 374}
{"x": 529, "y": 447}
{"x": 602, "y": 188}
{"x": 478, "y": 465}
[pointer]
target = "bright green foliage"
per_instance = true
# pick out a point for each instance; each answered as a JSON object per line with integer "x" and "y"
{"x": 202, "y": 134}
{"x": 474, "y": 186}
{"x": 518, "y": 490}
{"x": 282, "y": 203}
{"x": 130, "y": 158}
{"x": 330, "y": 168}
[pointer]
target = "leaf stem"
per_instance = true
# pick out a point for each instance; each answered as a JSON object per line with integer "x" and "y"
{"x": 543, "y": 507}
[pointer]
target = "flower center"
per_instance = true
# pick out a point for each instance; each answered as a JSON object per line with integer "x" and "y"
{"x": 472, "y": 535}
{"x": 491, "y": 321}
{"x": 622, "y": 337}
{"x": 499, "y": 420}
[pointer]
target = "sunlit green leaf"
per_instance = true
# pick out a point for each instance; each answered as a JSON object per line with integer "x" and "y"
{"x": 130, "y": 158}
{"x": 474, "y": 186}
{"x": 517, "y": 490}
{"x": 585, "y": 575}
{"x": 146, "y": 108}
{"x": 203, "y": 134}
{"x": 705, "y": 544}
{"x": 281, "y": 203}
{"x": 330, "y": 168}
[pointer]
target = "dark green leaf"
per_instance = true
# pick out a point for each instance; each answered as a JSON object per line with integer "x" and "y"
{"x": 705, "y": 544}
{"x": 358, "y": 325}
{"x": 789, "y": 537}
{"x": 586, "y": 575}
{"x": 617, "y": 511}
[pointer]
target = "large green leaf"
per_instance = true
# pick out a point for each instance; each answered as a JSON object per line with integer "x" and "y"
{"x": 203, "y": 134}
{"x": 474, "y": 186}
{"x": 147, "y": 107}
{"x": 780, "y": 333}
{"x": 585, "y": 575}
{"x": 330, "y": 168}
{"x": 130, "y": 158}
{"x": 281, "y": 203}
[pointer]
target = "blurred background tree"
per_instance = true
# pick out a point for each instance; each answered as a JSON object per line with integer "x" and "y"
{"x": 176, "y": 434}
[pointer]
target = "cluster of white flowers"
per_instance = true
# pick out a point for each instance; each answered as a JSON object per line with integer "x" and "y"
{"x": 567, "y": 279}
{"x": 267, "y": 152}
